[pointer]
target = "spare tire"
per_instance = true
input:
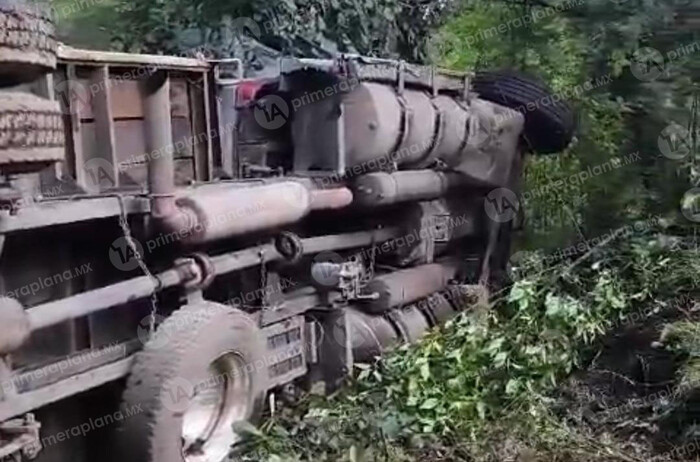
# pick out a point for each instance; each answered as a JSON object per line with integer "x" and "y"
{"x": 549, "y": 121}
{"x": 27, "y": 42}
{"x": 31, "y": 132}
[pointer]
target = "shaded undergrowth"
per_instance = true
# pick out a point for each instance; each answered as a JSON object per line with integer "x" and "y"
{"x": 489, "y": 385}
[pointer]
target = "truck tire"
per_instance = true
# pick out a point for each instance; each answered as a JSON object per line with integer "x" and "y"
{"x": 31, "y": 132}
{"x": 549, "y": 121}
{"x": 27, "y": 42}
{"x": 202, "y": 373}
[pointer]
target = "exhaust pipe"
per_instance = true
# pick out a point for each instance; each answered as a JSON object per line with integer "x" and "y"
{"x": 381, "y": 188}
{"x": 160, "y": 156}
{"x": 208, "y": 214}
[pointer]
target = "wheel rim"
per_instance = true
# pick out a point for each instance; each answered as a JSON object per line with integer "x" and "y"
{"x": 220, "y": 400}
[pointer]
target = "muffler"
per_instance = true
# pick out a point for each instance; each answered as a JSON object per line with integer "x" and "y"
{"x": 221, "y": 211}
{"x": 381, "y": 188}
{"x": 404, "y": 287}
{"x": 373, "y": 335}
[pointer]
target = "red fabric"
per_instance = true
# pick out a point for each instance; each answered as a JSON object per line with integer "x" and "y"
{"x": 247, "y": 91}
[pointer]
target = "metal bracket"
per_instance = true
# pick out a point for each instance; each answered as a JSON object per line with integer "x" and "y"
{"x": 352, "y": 275}
{"x": 20, "y": 438}
{"x": 467, "y": 87}
{"x": 197, "y": 271}
{"x": 433, "y": 81}
{"x": 289, "y": 245}
{"x": 7, "y": 386}
{"x": 222, "y": 67}
{"x": 401, "y": 84}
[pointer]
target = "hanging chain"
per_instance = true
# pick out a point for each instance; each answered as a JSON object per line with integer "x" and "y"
{"x": 263, "y": 280}
{"x": 369, "y": 274}
{"x": 158, "y": 285}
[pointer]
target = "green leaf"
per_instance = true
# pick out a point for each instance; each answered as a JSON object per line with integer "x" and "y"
{"x": 481, "y": 409}
{"x": 430, "y": 403}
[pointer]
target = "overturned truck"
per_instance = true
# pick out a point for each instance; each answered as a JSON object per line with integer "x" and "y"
{"x": 184, "y": 242}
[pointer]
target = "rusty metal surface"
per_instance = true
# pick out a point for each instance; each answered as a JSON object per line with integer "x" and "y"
{"x": 78, "y": 363}
{"x": 89, "y": 302}
{"x": 159, "y": 143}
{"x": 384, "y": 127}
{"x": 51, "y": 213}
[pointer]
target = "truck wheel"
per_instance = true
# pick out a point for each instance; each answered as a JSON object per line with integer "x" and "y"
{"x": 31, "y": 132}
{"x": 27, "y": 42}
{"x": 202, "y": 374}
{"x": 549, "y": 121}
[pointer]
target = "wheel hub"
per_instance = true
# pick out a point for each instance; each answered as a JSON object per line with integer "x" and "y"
{"x": 221, "y": 400}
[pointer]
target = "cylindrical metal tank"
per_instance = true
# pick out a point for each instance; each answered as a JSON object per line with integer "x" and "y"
{"x": 370, "y": 336}
{"x": 410, "y": 128}
{"x": 411, "y": 323}
{"x": 407, "y": 286}
{"x": 373, "y": 121}
{"x": 418, "y": 138}
{"x": 223, "y": 213}
{"x": 437, "y": 308}
{"x": 379, "y": 123}
{"x": 381, "y": 188}
{"x": 453, "y": 132}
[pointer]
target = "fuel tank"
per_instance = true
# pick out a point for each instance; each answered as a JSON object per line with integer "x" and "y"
{"x": 376, "y": 127}
{"x": 411, "y": 128}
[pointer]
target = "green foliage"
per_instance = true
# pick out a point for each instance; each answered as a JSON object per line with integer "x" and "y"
{"x": 390, "y": 28}
{"x": 684, "y": 338}
{"x": 548, "y": 44}
{"x": 488, "y": 35}
{"x": 455, "y": 392}
{"x": 85, "y": 24}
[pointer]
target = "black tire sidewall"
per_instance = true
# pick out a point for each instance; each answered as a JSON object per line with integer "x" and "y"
{"x": 549, "y": 125}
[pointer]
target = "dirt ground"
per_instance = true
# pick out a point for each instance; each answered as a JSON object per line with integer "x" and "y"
{"x": 629, "y": 399}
